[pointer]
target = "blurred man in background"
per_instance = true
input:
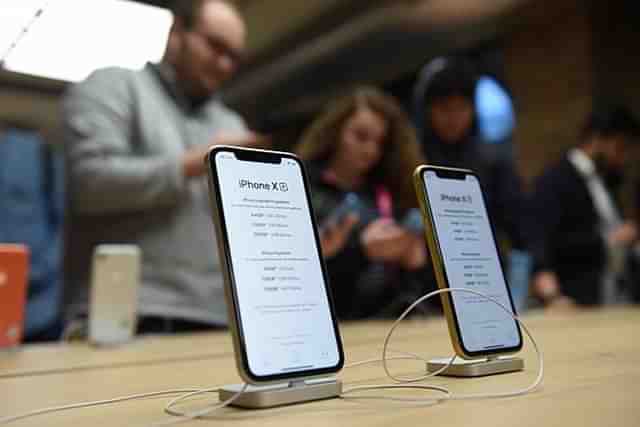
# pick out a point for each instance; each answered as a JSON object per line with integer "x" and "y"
{"x": 579, "y": 238}
{"x": 135, "y": 142}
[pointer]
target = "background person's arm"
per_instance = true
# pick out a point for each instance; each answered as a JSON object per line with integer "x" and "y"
{"x": 543, "y": 216}
{"x": 106, "y": 173}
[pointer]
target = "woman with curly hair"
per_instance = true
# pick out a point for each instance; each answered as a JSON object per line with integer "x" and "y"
{"x": 361, "y": 153}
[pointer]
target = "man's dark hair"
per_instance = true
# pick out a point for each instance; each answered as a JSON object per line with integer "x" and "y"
{"x": 611, "y": 121}
{"x": 456, "y": 76}
{"x": 188, "y": 11}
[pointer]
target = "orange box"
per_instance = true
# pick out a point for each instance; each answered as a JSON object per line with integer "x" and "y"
{"x": 14, "y": 275}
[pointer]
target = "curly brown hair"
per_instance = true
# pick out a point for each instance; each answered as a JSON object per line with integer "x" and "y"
{"x": 401, "y": 150}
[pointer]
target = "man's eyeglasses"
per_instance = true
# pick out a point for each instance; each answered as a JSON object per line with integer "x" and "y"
{"x": 222, "y": 47}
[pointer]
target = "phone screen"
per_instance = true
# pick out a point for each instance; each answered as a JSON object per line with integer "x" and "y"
{"x": 281, "y": 294}
{"x": 471, "y": 261}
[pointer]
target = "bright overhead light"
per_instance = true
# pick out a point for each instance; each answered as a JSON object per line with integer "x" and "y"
{"x": 15, "y": 15}
{"x": 71, "y": 38}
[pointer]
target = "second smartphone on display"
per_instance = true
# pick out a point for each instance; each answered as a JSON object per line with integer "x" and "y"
{"x": 465, "y": 255}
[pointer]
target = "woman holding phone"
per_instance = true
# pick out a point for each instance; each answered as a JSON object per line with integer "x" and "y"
{"x": 360, "y": 154}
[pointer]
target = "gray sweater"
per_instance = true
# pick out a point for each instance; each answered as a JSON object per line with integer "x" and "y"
{"x": 125, "y": 134}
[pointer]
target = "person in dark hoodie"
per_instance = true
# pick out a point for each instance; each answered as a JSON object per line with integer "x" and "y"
{"x": 445, "y": 118}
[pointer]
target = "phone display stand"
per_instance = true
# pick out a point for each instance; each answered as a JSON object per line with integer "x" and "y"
{"x": 260, "y": 397}
{"x": 476, "y": 368}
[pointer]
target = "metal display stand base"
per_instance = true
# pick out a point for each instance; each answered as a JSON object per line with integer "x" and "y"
{"x": 257, "y": 397}
{"x": 476, "y": 368}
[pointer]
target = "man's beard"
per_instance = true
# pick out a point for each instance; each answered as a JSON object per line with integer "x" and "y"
{"x": 199, "y": 100}
{"x": 613, "y": 177}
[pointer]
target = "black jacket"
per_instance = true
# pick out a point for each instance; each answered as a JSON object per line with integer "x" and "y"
{"x": 361, "y": 287}
{"x": 564, "y": 235}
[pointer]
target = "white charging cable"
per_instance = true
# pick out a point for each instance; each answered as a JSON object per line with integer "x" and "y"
{"x": 7, "y": 420}
{"x": 188, "y": 416}
{"x": 404, "y": 383}
{"x": 449, "y": 396}
{"x": 401, "y": 382}
{"x": 169, "y": 409}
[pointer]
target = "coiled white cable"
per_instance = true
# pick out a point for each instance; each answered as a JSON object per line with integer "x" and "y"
{"x": 450, "y": 396}
{"x": 169, "y": 409}
{"x": 401, "y": 383}
{"x": 187, "y": 416}
{"x": 184, "y": 394}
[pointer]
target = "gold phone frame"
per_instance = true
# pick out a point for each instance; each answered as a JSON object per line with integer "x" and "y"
{"x": 433, "y": 244}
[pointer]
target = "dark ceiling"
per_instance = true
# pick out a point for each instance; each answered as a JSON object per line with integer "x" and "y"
{"x": 302, "y": 51}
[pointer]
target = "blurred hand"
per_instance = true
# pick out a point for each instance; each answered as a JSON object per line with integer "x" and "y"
{"x": 562, "y": 304}
{"x": 193, "y": 160}
{"x": 624, "y": 235}
{"x": 384, "y": 240}
{"x": 416, "y": 256}
{"x": 193, "y": 163}
{"x": 547, "y": 286}
{"x": 334, "y": 236}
